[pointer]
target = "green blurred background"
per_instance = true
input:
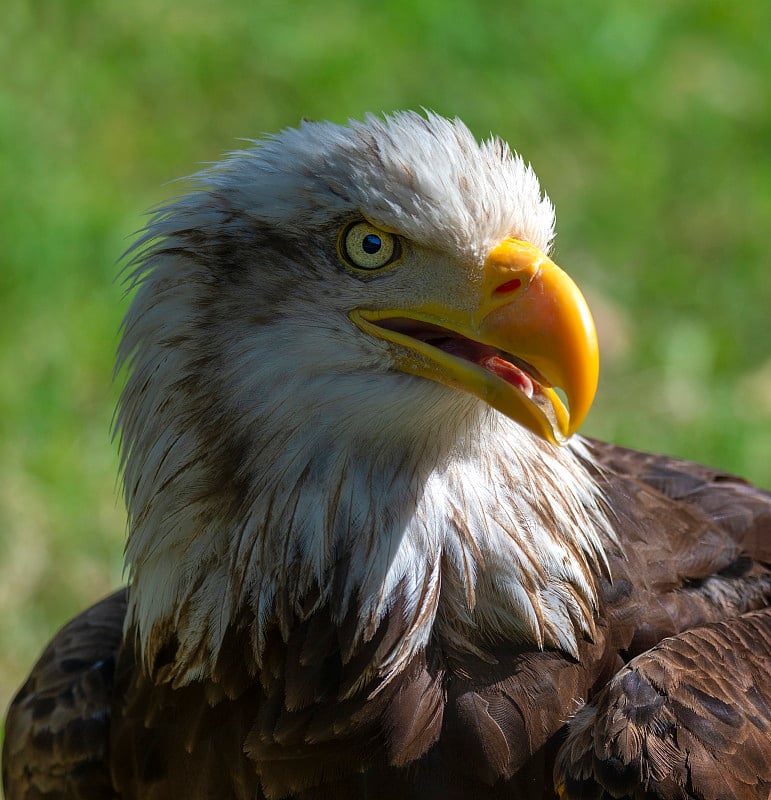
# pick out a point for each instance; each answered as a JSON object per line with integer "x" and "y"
{"x": 649, "y": 124}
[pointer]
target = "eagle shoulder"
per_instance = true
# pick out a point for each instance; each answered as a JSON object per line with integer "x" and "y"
{"x": 690, "y": 718}
{"x": 695, "y": 544}
{"x": 58, "y": 724}
{"x": 732, "y": 504}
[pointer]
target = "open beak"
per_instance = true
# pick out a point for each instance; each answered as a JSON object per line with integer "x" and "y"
{"x": 529, "y": 333}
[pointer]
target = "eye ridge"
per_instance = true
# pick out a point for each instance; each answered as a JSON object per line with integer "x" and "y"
{"x": 364, "y": 246}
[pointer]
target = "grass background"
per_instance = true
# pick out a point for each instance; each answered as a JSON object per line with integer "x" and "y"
{"x": 649, "y": 124}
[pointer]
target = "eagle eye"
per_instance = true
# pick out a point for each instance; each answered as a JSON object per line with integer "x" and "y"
{"x": 363, "y": 246}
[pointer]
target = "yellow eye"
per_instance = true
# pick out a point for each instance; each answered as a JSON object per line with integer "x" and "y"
{"x": 366, "y": 247}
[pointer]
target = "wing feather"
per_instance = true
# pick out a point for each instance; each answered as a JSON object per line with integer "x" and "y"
{"x": 57, "y": 729}
{"x": 690, "y": 718}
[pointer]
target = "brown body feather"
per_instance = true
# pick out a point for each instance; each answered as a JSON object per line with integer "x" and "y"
{"x": 672, "y": 699}
{"x": 57, "y": 732}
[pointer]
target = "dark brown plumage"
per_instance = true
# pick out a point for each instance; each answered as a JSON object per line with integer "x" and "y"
{"x": 425, "y": 600}
{"x": 682, "y": 713}
{"x": 57, "y": 732}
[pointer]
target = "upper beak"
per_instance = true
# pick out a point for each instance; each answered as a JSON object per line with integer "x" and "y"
{"x": 533, "y": 310}
{"x": 529, "y": 331}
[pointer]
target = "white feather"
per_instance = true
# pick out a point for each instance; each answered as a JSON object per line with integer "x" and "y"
{"x": 243, "y": 363}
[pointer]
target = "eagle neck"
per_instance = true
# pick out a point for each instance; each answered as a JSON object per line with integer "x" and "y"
{"x": 475, "y": 536}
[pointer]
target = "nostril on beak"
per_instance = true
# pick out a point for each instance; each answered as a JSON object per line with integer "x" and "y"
{"x": 509, "y": 286}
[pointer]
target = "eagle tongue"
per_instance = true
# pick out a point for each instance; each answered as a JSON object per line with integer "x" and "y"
{"x": 511, "y": 374}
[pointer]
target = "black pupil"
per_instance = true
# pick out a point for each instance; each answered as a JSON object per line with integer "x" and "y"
{"x": 371, "y": 244}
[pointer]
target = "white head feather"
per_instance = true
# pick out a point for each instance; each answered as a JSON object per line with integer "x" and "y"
{"x": 270, "y": 452}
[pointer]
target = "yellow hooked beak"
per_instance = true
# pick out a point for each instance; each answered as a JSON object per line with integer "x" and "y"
{"x": 528, "y": 333}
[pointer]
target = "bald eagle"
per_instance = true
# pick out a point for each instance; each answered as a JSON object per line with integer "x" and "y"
{"x": 368, "y": 558}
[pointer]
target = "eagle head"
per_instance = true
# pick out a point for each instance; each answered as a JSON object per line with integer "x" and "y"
{"x": 349, "y": 358}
